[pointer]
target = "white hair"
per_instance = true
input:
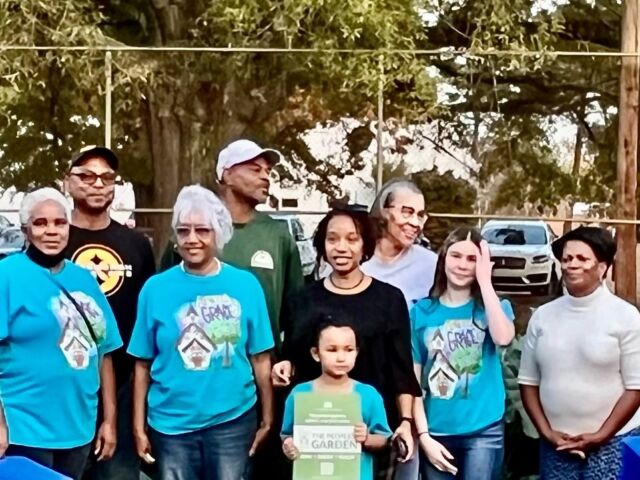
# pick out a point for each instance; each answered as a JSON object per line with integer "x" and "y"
{"x": 197, "y": 199}
{"x": 388, "y": 190}
{"x": 31, "y": 200}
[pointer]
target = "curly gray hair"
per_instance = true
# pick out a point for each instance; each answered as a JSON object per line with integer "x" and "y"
{"x": 197, "y": 199}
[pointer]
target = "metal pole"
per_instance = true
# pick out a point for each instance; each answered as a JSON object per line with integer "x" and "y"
{"x": 107, "y": 100}
{"x": 380, "y": 153}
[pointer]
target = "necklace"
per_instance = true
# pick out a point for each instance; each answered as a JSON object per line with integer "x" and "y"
{"x": 347, "y": 288}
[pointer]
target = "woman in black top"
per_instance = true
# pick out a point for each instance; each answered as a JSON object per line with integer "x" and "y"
{"x": 378, "y": 312}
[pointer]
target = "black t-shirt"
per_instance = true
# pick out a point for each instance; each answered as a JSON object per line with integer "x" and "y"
{"x": 122, "y": 261}
{"x": 381, "y": 320}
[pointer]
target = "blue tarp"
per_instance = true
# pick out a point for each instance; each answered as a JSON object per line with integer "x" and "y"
{"x": 630, "y": 458}
{"x": 20, "y": 468}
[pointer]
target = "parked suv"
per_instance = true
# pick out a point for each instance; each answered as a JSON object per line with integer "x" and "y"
{"x": 522, "y": 256}
{"x": 304, "y": 243}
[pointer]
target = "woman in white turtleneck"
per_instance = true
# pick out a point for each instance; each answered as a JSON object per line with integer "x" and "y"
{"x": 580, "y": 369}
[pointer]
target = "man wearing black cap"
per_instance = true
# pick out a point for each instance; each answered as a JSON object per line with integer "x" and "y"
{"x": 122, "y": 260}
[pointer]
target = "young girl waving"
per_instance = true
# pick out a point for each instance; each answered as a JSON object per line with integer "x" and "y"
{"x": 336, "y": 348}
{"x": 455, "y": 334}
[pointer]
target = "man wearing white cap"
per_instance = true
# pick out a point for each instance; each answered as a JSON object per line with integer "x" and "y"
{"x": 259, "y": 243}
{"x": 264, "y": 246}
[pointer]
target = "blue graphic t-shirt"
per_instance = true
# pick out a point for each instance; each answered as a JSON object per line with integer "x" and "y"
{"x": 49, "y": 364}
{"x": 373, "y": 416}
{"x": 199, "y": 332}
{"x": 462, "y": 373}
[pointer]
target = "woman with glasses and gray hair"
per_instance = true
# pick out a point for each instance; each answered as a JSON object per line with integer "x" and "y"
{"x": 56, "y": 335}
{"x": 201, "y": 340}
{"x": 399, "y": 214}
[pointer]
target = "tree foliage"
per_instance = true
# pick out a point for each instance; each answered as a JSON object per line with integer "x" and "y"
{"x": 444, "y": 193}
{"x": 500, "y": 105}
{"x": 174, "y": 111}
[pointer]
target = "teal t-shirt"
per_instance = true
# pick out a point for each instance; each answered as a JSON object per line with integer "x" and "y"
{"x": 373, "y": 416}
{"x": 199, "y": 332}
{"x": 49, "y": 364}
{"x": 264, "y": 247}
{"x": 462, "y": 373}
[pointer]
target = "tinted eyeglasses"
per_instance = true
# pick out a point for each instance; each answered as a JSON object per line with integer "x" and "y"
{"x": 90, "y": 178}
{"x": 202, "y": 232}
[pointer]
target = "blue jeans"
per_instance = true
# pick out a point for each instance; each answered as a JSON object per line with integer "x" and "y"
{"x": 125, "y": 463}
{"x": 68, "y": 461}
{"x": 478, "y": 456}
{"x": 220, "y": 452}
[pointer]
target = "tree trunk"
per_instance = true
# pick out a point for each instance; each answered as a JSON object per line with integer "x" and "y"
{"x": 180, "y": 153}
{"x": 577, "y": 161}
{"x": 628, "y": 154}
{"x": 190, "y": 118}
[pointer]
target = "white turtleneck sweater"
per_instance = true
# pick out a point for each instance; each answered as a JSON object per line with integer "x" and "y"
{"x": 583, "y": 353}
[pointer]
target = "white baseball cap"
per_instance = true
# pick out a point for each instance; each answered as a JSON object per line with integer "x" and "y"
{"x": 242, "y": 151}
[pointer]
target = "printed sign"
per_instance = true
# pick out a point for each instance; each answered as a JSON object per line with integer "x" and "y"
{"x": 323, "y": 432}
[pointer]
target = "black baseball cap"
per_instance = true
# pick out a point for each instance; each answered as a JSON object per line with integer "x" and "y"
{"x": 600, "y": 240}
{"x": 95, "y": 151}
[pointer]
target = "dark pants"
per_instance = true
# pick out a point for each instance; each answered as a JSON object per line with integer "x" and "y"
{"x": 269, "y": 462}
{"x": 219, "y": 452}
{"x": 125, "y": 464}
{"x": 67, "y": 461}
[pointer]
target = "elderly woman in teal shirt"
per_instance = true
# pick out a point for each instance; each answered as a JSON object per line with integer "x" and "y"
{"x": 56, "y": 334}
{"x": 202, "y": 340}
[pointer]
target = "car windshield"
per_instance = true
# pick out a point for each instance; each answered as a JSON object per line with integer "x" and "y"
{"x": 516, "y": 235}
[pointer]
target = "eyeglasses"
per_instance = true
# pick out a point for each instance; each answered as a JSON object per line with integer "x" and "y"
{"x": 90, "y": 178}
{"x": 407, "y": 213}
{"x": 183, "y": 232}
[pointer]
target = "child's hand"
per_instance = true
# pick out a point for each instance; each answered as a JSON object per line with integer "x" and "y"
{"x": 289, "y": 449}
{"x": 437, "y": 454}
{"x": 360, "y": 432}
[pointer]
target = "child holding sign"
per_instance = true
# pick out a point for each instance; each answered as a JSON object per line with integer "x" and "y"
{"x": 336, "y": 349}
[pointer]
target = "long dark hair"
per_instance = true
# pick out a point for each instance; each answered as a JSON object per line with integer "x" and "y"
{"x": 439, "y": 287}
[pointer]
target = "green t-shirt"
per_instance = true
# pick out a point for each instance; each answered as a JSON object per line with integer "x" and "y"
{"x": 264, "y": 247}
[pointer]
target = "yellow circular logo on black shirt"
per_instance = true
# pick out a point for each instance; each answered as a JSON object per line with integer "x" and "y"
{"x": 105, "y": 264}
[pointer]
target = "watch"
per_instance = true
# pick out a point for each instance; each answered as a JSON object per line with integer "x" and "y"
{"x": 407, "y": 419}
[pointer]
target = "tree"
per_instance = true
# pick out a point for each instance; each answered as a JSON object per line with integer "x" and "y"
{"x": 514, "y": 101}
{"x": 47, "y": 98}
{"x": 175, "y": 111}
{"x": 444, "y": 193}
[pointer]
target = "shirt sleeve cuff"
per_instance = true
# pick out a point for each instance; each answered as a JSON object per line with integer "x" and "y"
{"x": 533, "y": 382}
